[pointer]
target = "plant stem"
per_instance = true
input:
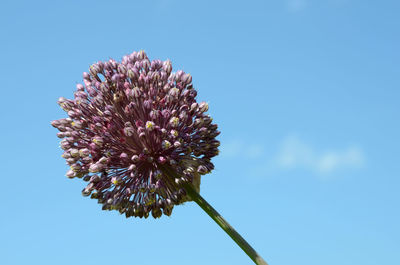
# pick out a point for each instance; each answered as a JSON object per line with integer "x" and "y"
{"x": 224, "y": 225}
{"x": 196, "y": 197}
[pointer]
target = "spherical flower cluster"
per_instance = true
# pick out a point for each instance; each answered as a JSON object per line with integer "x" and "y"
{"x": 129, "y": 122}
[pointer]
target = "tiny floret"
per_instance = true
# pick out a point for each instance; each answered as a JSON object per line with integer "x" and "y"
{"x": 149, "y": 125}
{"x": 174, "y": 133}
{"x": 98, "y": 141}
{"x": 174, "y": 121}
{"x": 166, "y": 144}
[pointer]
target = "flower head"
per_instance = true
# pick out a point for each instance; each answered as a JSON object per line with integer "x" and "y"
{"x": 128, "y": 121}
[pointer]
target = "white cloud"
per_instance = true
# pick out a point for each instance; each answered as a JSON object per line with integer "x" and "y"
{"x": 253, "y": 151}
{"x": 292, "y": 154}
{"x": 295, "y": 153}
{"x": 238, "y": 148}
{"x": 296, "y": 5}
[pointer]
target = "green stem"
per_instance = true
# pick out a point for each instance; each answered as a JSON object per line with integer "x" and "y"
{"x": 196, "y": 197}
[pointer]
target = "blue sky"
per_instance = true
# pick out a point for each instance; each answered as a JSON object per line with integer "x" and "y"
{"x": 306, "y": 94}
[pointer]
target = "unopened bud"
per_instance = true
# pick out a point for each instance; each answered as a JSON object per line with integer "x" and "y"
{"x": 203, "y": 107}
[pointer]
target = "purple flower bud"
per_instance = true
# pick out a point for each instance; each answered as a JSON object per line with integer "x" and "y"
{"x": 95, "y": 69}
{"x": 174, "y": 92}
{"x": 178, "y": 75}
{"x": 135, "y": 158}
{"x": 132, "y": 167}
{"x": 146, "y": 65}
{"x": 133, "y": 74}
{"x": 148, "y": 104}
{"x": 70, "y": 174}
{"x": 166, "y": 113}
{"x": 123, "y": 156}
{"x": 85, "y": 192}
{"x": 86, "y": 160}
{"x": 79, "y": 87}
{"x": 183, "y": 116}
{"x": 187, "y": 78}
{"x": 129, "y": 131}
{"x": 70, "y": 160}
{"x": 154, "y": 114}
{"x": 74, "y": 152}
{"x": 55, "y": 124}
{"x": 167, "y": 66}
{"x": 65, "y": 144}
{"x": 86, "y": 76}
{"x": 122, "y": 69}
{"x": 76, "y": 167}
{"x": 203, "y": 107}
{"x": 136, "y": 92}
{"x": 198, "y": 122}
{"x": 115, "y": 78}
{"x": 141, "y": 55}
{"x": 96, "y": 167}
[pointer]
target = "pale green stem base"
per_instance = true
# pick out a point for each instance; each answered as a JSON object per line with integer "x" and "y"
{"x": 196, "y": 197}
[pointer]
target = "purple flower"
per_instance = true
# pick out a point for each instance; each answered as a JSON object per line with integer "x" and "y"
{"x": 127, "y": 122}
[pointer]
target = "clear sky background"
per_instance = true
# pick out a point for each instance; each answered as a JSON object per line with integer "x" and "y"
{"x": 306, "y": 94}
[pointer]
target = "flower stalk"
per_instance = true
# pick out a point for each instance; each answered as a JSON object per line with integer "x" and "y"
{"x": 196, "y": 197}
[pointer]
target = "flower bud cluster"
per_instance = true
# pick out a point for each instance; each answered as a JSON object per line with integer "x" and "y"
{"x": 128, "y": 121}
